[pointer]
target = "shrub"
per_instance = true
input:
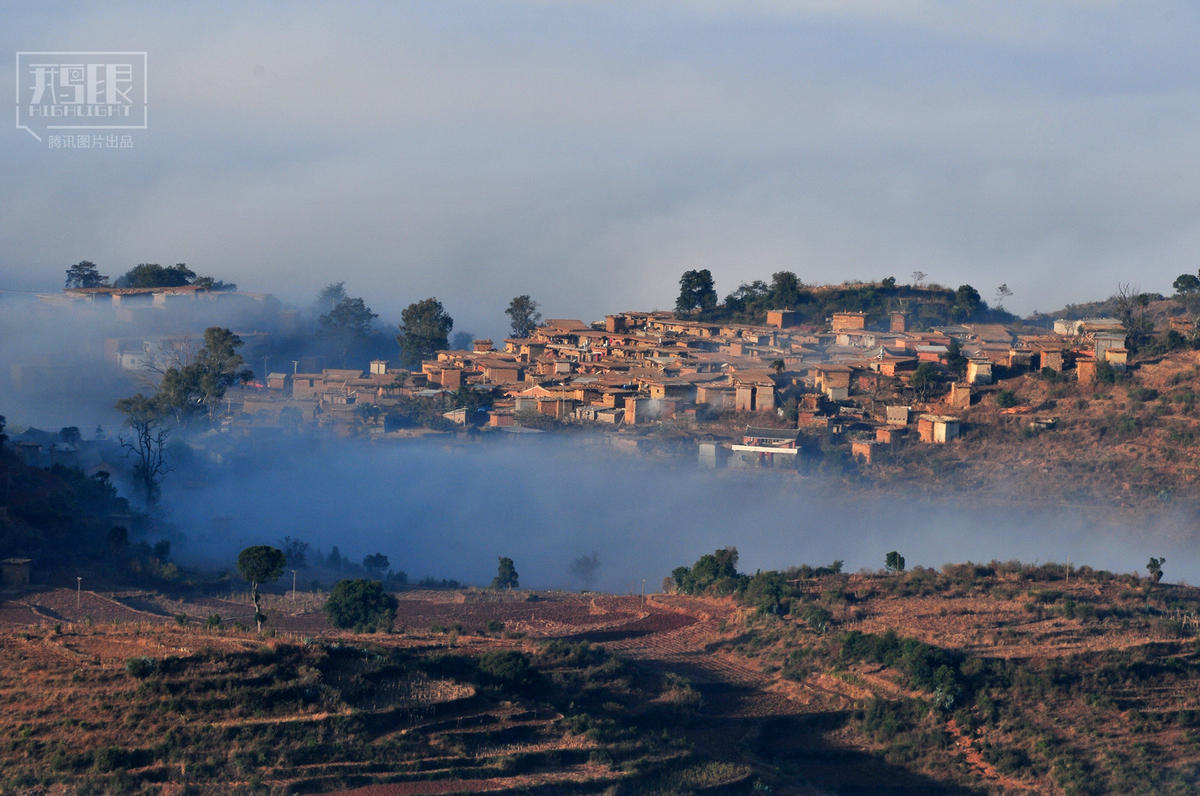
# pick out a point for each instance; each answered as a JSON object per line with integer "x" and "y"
{"x": 141, "y": 667}
{"x": 362, "y": 605}
{"x": 506, "y": 669}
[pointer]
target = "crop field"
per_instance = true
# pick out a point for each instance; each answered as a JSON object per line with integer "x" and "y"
{"x": 962, "y": 680}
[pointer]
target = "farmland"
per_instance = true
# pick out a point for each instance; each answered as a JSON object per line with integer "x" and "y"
{"x": 970, "y": 679}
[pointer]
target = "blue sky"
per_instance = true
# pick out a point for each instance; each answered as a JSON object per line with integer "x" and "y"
{"x": 588, "y": 153}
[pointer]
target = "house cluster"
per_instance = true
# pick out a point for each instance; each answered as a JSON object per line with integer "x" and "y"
{"x": 849, "y": 377}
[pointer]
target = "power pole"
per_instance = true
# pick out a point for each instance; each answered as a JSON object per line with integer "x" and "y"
{"x": 643, "y": 592}
{"x": 293, "y": 587}
{"x": 78, "y": 588}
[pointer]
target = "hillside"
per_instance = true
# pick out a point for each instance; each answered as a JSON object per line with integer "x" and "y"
{"x": 975, "y": 679}
{"x": 1127, "y": 444}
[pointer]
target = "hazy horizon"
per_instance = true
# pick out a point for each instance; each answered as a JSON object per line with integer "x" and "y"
{"x": 588, "y": 153}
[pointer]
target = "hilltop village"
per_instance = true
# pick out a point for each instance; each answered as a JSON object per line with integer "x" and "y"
{"x": 749, "y": 394}
{"x": 901, "y": 391}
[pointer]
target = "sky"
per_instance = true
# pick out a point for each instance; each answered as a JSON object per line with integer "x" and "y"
{"x": 589, "y": 153}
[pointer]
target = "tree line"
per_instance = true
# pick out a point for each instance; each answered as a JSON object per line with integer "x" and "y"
{"x": 924, "y": 304}
{"x": 85, "y": 274}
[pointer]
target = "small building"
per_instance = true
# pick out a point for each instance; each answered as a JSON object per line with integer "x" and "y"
{"x": 615, "y": 323}
{"x": 848, "y": 321}
{"x": 1085, "y": 370}
{"x": 711, "y": 455}
{"x": 979, "y": 370}
{"x": 932, "y": 353}
{"x": 1020, "y": 359}
{"x": 938, "y": 429}
{"x": 898, "y": 323}
{"x": 379, "y": 367}
{"x": 482, "y": 346}
{"x": 14, "y": 572}
{"x": 501, "y": 418}
{"x": 833, "y": 381}
{"x": 959, "y": 396}
{"x": 865, "y": 450}
{"x": 767, "y": 447}
{"x": 890, "y": 435}
{"x": 781, "y": 319}
{"x": 1105, "y": 341}
{"x": 1052, "y": 358}
{"x": 1117, "y": 357}
{"x": 898, "y": 415}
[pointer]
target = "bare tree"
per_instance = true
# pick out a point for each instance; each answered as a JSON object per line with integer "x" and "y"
{"x": 1002, "y": 293}
{"x": 1131, "y": 309}
{"x": 144, "y": 418}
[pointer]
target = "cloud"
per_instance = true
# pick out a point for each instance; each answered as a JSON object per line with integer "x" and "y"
{"x": 589, "y": 153}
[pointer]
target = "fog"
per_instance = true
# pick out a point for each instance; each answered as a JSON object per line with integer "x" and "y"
{"x": 448, "y": 509}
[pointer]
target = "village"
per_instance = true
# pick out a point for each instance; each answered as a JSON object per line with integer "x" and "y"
{"x": 739, "y": 395}
{"x": 748, "y": 394}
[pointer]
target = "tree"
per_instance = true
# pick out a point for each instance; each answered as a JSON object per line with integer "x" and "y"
{"x": 966, "y": 302}
{"x": 894, "y": 562}
{"x": 154, "y": 275}
{"x": 1131, "y": 308}
{"x": 523, "y": 314}
{"x": 1002, "y": 293}
{"x": 696, "y": 292}
{"x": 198, "y": 386}
{"x": 924, "y": 379}
{"x": 330, "y": 296}
{"x": 347, "y": 326}
{"x": 361, "y": 605}
{"x": 144, "y": 418}
{"x": 585, "y": 568}
{"x": 260, "y": 564}
{"x": 918, "y": 277}
{"x": 85, "y": 274}
{"x": 1154, "y": 567}
{"x": 295, "y": 551}
{"x": 1186, "y": 284}
{"x": 785, "y": 289}
{"x": 376, "y": 564}
{"x": 956, "y": 363}
{"x": 208, "y": 283}
{"x": 506, "y": 575}
{"x": 3, "y": 436}
{"x": 424, "y": 328}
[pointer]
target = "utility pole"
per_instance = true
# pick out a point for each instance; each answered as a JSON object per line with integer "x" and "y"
{"x": 295, "y": 366}
{"x": 78, "y": 589}
{"x": 643, "y": 592}
{"x": 265, "y": 371}
{"x": 293, "y": 587}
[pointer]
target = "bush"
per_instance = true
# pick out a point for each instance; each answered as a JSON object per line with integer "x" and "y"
{"x": 141, "y": 667}
{"x": 506, "y": 669}
{"x": 361, "y": 605}
{"x": 1006, "y": 399}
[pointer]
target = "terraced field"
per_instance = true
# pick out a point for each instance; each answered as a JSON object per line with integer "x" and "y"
{"x": 478, "y": 691}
